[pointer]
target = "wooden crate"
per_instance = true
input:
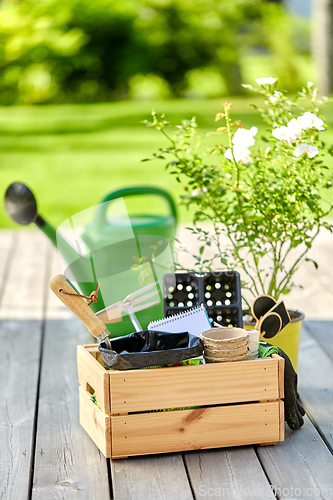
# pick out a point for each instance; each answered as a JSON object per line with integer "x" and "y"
{"x": 240, "y": 404}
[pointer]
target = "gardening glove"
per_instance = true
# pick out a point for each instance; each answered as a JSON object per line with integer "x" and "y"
{"x": 293, "y": 409}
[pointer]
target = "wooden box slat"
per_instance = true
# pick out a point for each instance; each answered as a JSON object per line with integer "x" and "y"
{"x": 152, "y": 389}
{"x": 211, "y": 384}
{"x": 211, "y": 427}
{"x": 95, "y": 422}
{"x": 93, "y": 375}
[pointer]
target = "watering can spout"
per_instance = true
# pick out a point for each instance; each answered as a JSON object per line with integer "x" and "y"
{"x": 21, "y": 206}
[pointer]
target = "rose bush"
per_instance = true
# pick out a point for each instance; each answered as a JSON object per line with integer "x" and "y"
{"x": 267, "y": 197}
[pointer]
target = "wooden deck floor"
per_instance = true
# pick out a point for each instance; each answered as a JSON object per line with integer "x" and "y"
{"x": 45, "y": 454}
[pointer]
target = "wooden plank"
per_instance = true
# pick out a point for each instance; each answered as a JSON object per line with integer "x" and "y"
{"x": 55, "y": 308}
{"x": 95, "y": 422}
{"x": 92, "y": 373}
{"x": 316, "y": 380}
{"x": 165, "y": 432}
{"x": 150, "y": 478}
{"x": 24, "y": 290}
{"x": 19, "y": 365}
{"x": 282, "y": 417}
{"x": 20, "y": 342}
{"x": 67, "y": 462}
{"x": 301, "y": 466}
{"x": 312, "y": 281}
{"x": 231, "y": 473}
{"x": 280, "y": 373}
{"x": 215, "y": 383}
{"x": 303, "y": 460}
{"x": 318, "y": 281}
{"x": 8, "y": 243}
{"x": 322, "y": 331}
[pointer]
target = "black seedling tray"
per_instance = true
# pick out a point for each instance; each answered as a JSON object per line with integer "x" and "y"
{"x": 220, "y": 293}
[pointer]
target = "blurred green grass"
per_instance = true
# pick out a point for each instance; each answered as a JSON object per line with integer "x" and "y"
{"x": 72, "y": 155}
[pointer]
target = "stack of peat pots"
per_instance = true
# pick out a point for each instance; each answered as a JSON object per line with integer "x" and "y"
{"x": 225, "y": 344}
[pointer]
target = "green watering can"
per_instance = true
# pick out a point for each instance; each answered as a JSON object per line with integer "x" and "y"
{"x": 125, "y": 253}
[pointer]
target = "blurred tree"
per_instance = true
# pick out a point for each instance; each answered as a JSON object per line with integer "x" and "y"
{"x": 322, "y": 42}
{"x": 81, "y": 51}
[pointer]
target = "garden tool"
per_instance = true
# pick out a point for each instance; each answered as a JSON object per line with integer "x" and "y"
{"x": 271, "y": 317}
{"x": 112, "y": 314}
{"x": 131, "y": 304}
{"x": 293, "y": 409}
{"x": 109, "y": 255}
{"x": 67, "y": 294}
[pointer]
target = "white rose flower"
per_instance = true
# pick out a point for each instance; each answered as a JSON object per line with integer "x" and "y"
{"x": 295, "y": 129}
{"x": 282, "y": 134}
{"x": 242, "y": 155}
{"x": 244, "y": 138}
{"x": 308, "y": 149}
{"x": 274, "y": 98}
{"x": 309, "y": 120}
{"x": 228, "y": 154}
{"x": 266, "y": 81}
{"x": 289, "y": 133}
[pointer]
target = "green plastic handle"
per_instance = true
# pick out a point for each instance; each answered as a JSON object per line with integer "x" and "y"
{"x": 132, "y": 191}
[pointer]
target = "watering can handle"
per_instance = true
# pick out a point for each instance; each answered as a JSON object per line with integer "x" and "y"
{"x": 121, "y": 193}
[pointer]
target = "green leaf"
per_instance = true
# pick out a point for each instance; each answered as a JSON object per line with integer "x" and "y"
{"x": 313, "y": 262}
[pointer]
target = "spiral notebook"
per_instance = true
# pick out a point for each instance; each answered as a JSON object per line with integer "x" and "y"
{"x": 193, "y": 321}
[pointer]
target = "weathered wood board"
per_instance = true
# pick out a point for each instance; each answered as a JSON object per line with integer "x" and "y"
{"x": 20, "y": 344}
{"x": 316, "y": 378}
{"x": 230, "y": 473}
{"x": 67, "y": 463}
{"x": 160, "y": 477}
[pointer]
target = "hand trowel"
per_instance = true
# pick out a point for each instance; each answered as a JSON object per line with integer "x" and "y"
{"x": 78, "y": 305}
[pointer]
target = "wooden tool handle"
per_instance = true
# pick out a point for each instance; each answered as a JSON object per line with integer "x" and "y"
{"x": 77, "y": 305}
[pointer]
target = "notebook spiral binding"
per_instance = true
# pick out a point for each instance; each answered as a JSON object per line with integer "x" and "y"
{"x": 175, "y": 317}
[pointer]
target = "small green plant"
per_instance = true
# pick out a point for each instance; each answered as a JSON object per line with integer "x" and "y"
{"x": 267, "y": 199}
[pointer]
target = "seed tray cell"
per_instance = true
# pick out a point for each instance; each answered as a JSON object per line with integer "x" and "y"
{"x": 225, "y": 317}
{"x": 220, "y": 294}
{"x": 181, "y": 291}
